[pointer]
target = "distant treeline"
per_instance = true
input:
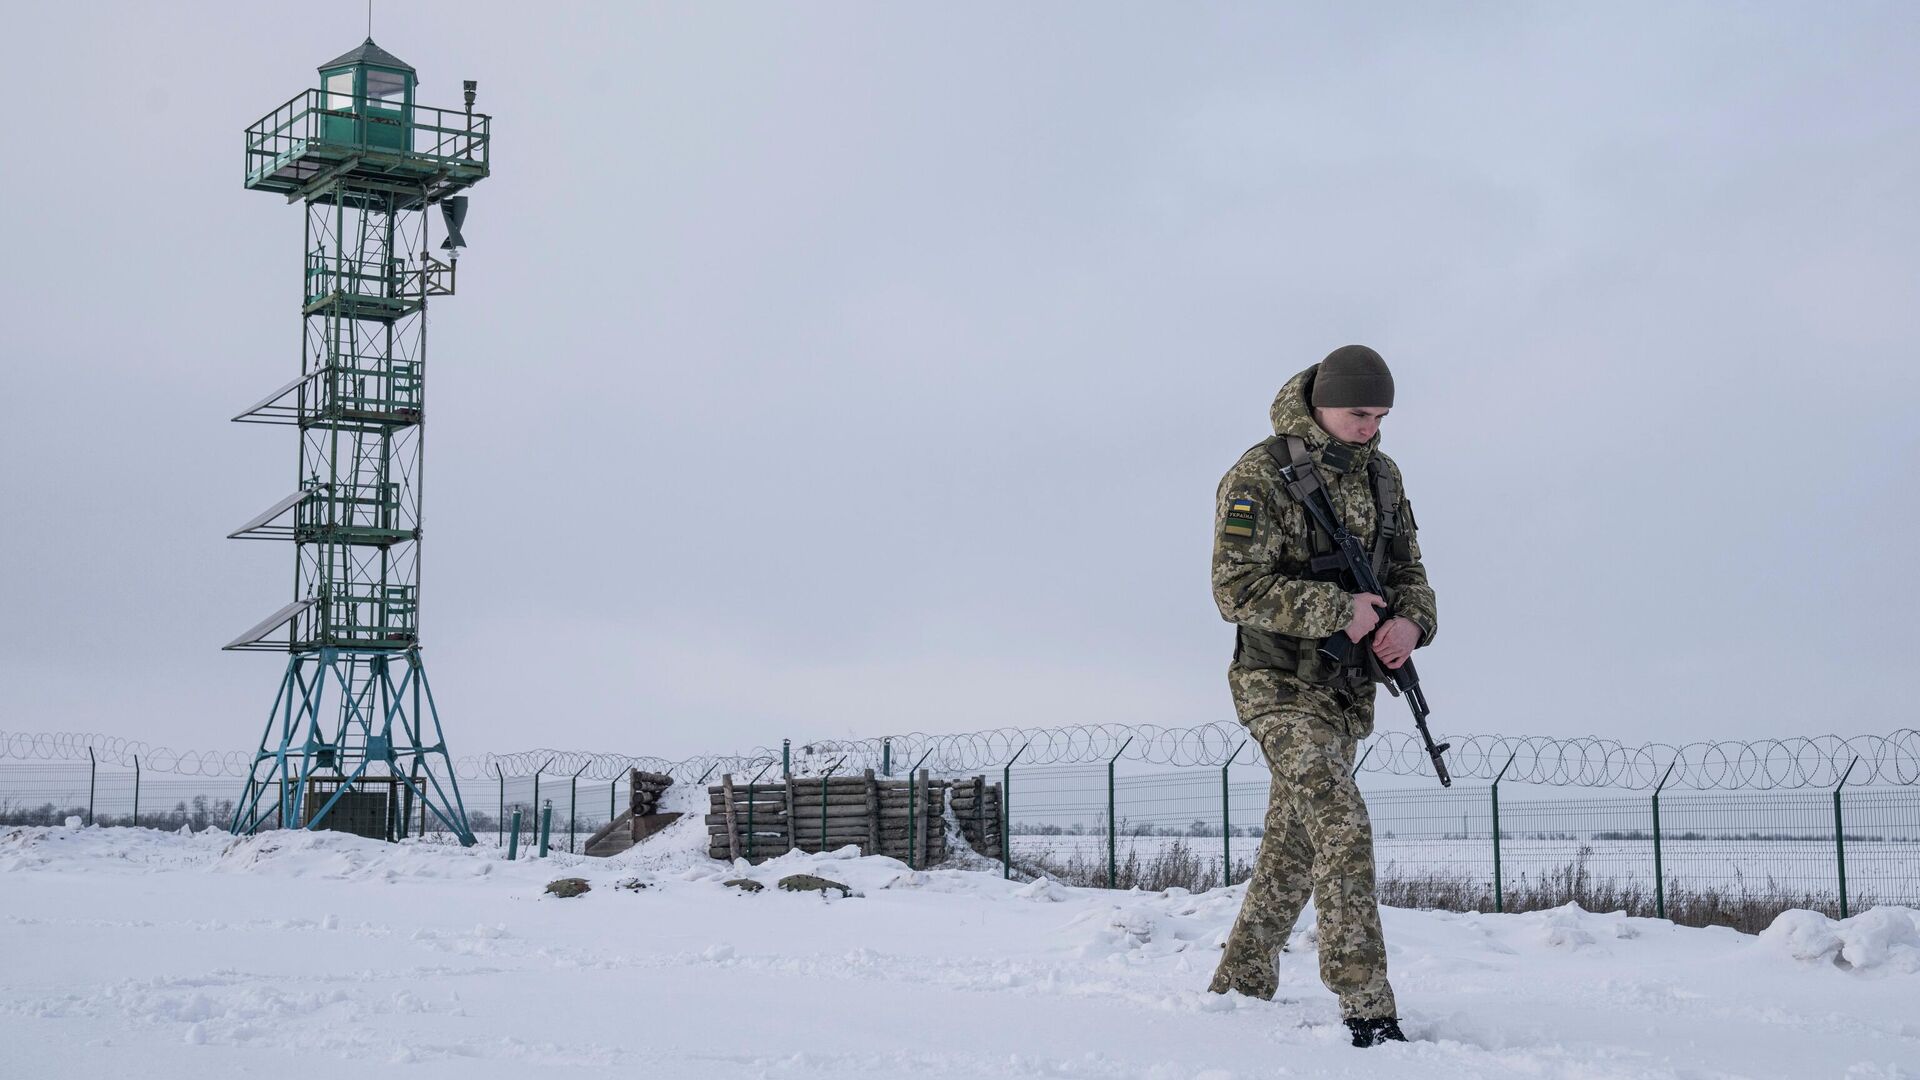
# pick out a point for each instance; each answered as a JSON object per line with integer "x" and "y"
{"x": 1199, "y": 829}
{"x": 1126, "y": 828}
{"x": 200, "y": 812}
{"x": 1811, "y": 834}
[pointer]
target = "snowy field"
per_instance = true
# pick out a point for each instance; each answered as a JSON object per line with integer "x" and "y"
{"x": 172, "y": 956}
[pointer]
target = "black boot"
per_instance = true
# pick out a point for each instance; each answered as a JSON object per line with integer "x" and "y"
{"x": 1375, "y": 1032}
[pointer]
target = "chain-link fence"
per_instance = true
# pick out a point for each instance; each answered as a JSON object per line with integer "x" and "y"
{"x": 1729, "y": 858}
{"x": 1727, "y": 834}
{"x": 53, "y": 793}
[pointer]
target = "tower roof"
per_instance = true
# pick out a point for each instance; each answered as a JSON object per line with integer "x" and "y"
{"x": 368, "y": 53}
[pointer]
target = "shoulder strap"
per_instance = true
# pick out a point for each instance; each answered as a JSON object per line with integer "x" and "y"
{"x": 1386, "y": 509}
{"x": 1305, "y": 484}
{"x": 1307, "y": 478}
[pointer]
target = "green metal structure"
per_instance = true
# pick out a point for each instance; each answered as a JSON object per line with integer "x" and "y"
{"x": 353, "y": 740}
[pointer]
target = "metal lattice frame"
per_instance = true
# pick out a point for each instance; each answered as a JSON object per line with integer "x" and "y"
{"x": 354, "y": 715}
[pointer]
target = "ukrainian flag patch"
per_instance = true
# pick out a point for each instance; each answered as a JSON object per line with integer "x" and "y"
{"x": 1240, "y": 518}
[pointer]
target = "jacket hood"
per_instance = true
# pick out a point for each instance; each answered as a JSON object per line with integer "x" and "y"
{"x": 1291, "y": 415}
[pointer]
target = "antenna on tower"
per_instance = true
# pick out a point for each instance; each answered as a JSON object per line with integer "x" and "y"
{"x": 369, "y": 20}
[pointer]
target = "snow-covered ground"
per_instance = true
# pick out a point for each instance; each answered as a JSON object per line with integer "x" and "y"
{"x": 130, "y": 952}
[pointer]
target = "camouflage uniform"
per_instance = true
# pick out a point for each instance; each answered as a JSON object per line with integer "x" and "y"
{"x": 1306, "y": 719}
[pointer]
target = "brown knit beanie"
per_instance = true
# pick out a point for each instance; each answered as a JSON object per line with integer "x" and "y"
{"x": 1352, "y": 376}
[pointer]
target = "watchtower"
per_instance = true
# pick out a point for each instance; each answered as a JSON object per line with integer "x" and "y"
{"x": 353, "y": 740}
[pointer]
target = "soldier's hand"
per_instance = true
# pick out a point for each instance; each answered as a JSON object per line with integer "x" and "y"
{"x": 1395, "y": 642}
{"x": 1365, "y": 618}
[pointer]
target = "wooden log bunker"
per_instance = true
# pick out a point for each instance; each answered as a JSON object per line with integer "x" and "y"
{"x": 902, "y": 818}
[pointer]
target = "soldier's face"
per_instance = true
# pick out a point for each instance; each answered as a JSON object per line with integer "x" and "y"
{"x": 1353, "y": 425}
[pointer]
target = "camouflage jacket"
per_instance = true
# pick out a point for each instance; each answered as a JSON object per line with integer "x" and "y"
{"x": 1261, "y": 576}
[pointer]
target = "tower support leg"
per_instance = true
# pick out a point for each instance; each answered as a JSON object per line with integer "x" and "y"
{"x": 383, "y": 736}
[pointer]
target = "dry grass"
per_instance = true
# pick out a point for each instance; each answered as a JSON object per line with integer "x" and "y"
{"x": 1746, "y": 906}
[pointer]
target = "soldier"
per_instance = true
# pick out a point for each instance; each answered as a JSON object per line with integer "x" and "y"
{"x": 1276, "y": 578}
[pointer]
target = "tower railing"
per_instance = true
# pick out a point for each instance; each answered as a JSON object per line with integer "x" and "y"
{"x": 304, "y": 124}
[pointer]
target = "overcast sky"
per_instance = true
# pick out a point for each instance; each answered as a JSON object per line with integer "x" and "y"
{"x": 838, "y": 369}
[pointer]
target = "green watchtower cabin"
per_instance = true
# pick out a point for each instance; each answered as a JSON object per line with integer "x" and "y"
{"x": 353, "y": 740}
{"x": 369, "y": 98}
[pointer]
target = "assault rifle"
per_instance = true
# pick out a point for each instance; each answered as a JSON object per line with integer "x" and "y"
{"x": 1401, "y": 681}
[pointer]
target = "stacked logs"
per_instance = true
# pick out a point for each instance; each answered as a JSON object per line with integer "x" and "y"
{"x": 645, "y": 800}
{"x": 901, "y": 818}
{"x": 647, "y": 789}
{"x": 747, "y": 821}
{"x": 976, "y": 807}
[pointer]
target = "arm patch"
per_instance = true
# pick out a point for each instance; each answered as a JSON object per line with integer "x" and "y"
{"x": 1240, "y": 518}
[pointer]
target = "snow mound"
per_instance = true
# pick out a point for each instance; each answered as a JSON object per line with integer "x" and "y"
{"x": 35, "y": 847}
{"x": 1884, "y": 939}
{"x": 298, "y": 853}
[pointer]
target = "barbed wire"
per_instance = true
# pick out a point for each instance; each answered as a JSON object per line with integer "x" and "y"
{"x": 127, "y": 753}
{"x": 113, "y": 750}
{"x": 1767, "y": 764}
{"x": 606, "y": 766}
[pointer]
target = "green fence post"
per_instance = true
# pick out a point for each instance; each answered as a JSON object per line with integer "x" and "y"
{"x": 1840, "y": 837}
{"x": 613, "y": 794}
{"x": 91, "y": 766}
{"x": 1499, "y": 887}
{"x": 886, "y": 757}
{"x": 1113, "y": 843}
{"x": 913, "y": 809}
{"x": 500, "y": 823}
{"x": 1226, "y": 825}
{"x": 1006, "y": 812}
{"x": 786, "y": 758}
{"x": 535, "y": 805}
{"x": 750, "y": 802}
{"x": 573, "y": 809}
{"x": 546, "y": 826}
{"x": 513, "y": 838}
{"x": 1659, "y": 871}
{"x": 823, "y": 802}
{"x": 136, "y": 791}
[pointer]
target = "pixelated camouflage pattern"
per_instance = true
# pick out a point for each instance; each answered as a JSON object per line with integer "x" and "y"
{"x": 1258, "y": 582}
{"x": 1319, "y": 843}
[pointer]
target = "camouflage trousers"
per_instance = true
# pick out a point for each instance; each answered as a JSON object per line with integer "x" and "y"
{"x": 1318, "y": 843}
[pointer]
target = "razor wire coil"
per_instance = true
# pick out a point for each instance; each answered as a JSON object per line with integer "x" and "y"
{"x": 1768, "y": 764}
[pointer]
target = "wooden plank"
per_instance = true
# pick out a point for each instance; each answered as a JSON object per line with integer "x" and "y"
{"x": 855, "y": 829}
{"x": 833, "y": 810}
{"x": 733, "y": 826}
{"x": 921, "y": 831}
{"x": 635, "y": 811}
{"x": 841, "y": 839}
{"x": 766, "y": 821}
{"x": 980, "y": 813}
{"x": 761, "y": 808}
{"x": 857, "y": 802}
{"x": 873, "y": 812}
{"x": 762, "y": 794}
